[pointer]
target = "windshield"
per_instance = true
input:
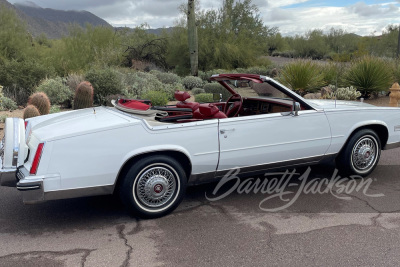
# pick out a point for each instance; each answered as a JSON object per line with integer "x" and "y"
{"x": 250, "y": 89}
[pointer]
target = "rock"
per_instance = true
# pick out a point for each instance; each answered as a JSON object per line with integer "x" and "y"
{"x": 313, "y": 96}
{"x": 325, "y": 91}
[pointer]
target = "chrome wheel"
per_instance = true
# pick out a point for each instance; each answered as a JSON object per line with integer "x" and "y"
{"x": 156, "y": 186}
{"x": 364, "y": 154}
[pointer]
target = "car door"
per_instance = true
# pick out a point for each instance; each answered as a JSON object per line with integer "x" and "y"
{"x": 260, "y": 141}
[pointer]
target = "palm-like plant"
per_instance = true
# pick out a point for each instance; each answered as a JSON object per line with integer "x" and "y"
{"x": 302, "y": 76}
{"x": 370, "y": 74}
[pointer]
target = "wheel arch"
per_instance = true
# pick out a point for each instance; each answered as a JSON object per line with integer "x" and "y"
{"x": 380, "y": 129}
{"x": 180, "y": 156}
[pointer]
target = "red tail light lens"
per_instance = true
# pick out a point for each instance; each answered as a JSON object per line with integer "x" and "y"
{"x": 26, "y": 123}
{"x": 36, "y": 160}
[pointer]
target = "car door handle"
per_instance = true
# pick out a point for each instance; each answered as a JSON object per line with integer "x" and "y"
{"x": 222, "y": 131}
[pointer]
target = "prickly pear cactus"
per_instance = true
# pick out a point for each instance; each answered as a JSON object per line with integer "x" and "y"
{"x": 30, "y": 112}
{"x": 41, "y": 102}
{"x": 83, "y": 95}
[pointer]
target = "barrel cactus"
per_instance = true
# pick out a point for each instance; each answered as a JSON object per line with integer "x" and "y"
{"x": 41, "y": 102}
{"x": 30, "y": 112}
{"x": 83, "y": 95}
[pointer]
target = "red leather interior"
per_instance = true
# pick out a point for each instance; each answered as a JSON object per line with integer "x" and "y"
{"x": 208, "y": 111}
{"x": 133, "y": 104}
{"x": 191, "y": 105}
{"x": 181, "y": 95}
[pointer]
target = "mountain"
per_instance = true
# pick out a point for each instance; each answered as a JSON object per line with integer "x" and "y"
{"x": 54, "y": 23}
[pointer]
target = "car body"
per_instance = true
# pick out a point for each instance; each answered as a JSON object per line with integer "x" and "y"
{"x": 104, "y": 150}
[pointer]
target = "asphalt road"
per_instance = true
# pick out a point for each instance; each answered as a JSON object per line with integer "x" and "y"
{"x": 338, "y": 227}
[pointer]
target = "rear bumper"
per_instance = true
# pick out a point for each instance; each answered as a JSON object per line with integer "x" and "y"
{"x": 31, "y": 187}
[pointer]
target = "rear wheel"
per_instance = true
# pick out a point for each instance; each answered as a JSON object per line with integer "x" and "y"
{"x": 153, "y": 186}
{"x": 361, "y": 154}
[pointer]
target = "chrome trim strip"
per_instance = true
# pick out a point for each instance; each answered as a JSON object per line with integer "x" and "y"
{"x": 391, "y": 146}
{"x": 397, "y": 128}
{"x": 206, "y": 153}
{"x": 16, "y": 136}
{"x": 26, "y": 188}
{"x": 277, "y": 144}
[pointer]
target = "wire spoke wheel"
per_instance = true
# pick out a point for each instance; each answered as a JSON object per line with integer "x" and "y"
{"x": 156, "y": 186}
{"x": 364, "y": 154}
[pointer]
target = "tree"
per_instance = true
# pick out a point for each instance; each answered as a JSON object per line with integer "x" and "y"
{"x": 192, "y": 38}
{"x": 15, "y": 39}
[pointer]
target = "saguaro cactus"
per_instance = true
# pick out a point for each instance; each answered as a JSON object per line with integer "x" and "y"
{"x": 41, "y": 102}
{"x": 192, "y": 37}
{"x": 83, "y": 95}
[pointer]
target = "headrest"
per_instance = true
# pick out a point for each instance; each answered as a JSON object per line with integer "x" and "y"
{"x": 208, "y": 110}
{"x": 181, "y": 95}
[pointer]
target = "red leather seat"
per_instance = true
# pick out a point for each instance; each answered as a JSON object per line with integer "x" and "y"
{"x": 208, "y": 111}
{"x": 182, "y": 96}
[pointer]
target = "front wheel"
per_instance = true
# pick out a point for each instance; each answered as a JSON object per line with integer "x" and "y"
{"x": 153, "y": 186}
{"x": 361, "y": 154}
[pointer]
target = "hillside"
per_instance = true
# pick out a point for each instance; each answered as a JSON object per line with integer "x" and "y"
{"x": 53, "y": 23}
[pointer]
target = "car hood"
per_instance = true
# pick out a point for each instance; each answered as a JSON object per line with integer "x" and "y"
{"x": 72, "y": 123}
{"x": 337, "y": 104}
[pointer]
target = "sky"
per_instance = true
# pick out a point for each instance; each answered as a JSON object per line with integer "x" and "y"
{"x": 290, "y": 16}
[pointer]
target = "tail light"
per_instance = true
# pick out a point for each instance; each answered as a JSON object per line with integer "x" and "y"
{"x": 26, "y": 123}
{"x": 36, "y": 159}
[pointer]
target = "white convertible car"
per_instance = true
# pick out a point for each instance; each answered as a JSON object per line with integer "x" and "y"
{"x": 148, "y": 155}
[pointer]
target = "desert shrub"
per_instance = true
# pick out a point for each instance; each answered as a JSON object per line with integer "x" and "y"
{"x": 205, "y": 76}
{"x": 105, "y": 82}
{"x": 31, "y": 111}
{"x": 167, "y": 77}
{"x": 370, "y": 74}
{"x": 20, "y": 78}
{"x": 204, "y": 98}
{"x": 56, "y": 90}
{"x": 73, "y": 80}
{"x": 7, "y": 103}
{"x": 396, "y": 71}
{"x": 190, "y": 82}
{"x": 55, "y": 109}
{"x": 83, "y": 95}
{"x": 157, "y": 98}
{"x": 302, "y": 76}
{"x": 136, "y": 84}
{"x": 216, "y": 88}
{"x": 258, "y": 70}
{"x": 41, "y": 102}
{"x": 3, "y": 118}
{"x": 197, "y": 91}
{"x": 348, "y": 93}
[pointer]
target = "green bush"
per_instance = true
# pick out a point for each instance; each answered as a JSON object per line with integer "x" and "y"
{"x": 370, "y": 74}
{"x": 7, "y": 103}
{"x": 216, "y": 88}
{"x": 105, "y": 82}
{"x": 136, "y": 84}
{"x": 56, "y": 90}
{"x": 190, "y": 82}
{"x": 167, "y": 78}
{"x": 55, "y": 109}
{"x": 20, "y": 78}
{"x": 197, "y": 91}
{"x": 157, "y": 98}
{"x": 302, "y": 76}
{"x": 258, "y": 70}
{"x": 204, "y": 98}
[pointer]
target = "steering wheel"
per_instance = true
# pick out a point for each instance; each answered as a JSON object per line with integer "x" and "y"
{"x": 232, "y": 110}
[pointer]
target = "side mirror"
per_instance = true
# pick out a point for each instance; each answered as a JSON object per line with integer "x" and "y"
{"x": 296, "y": 109}
{"x": 217, "y": 97}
